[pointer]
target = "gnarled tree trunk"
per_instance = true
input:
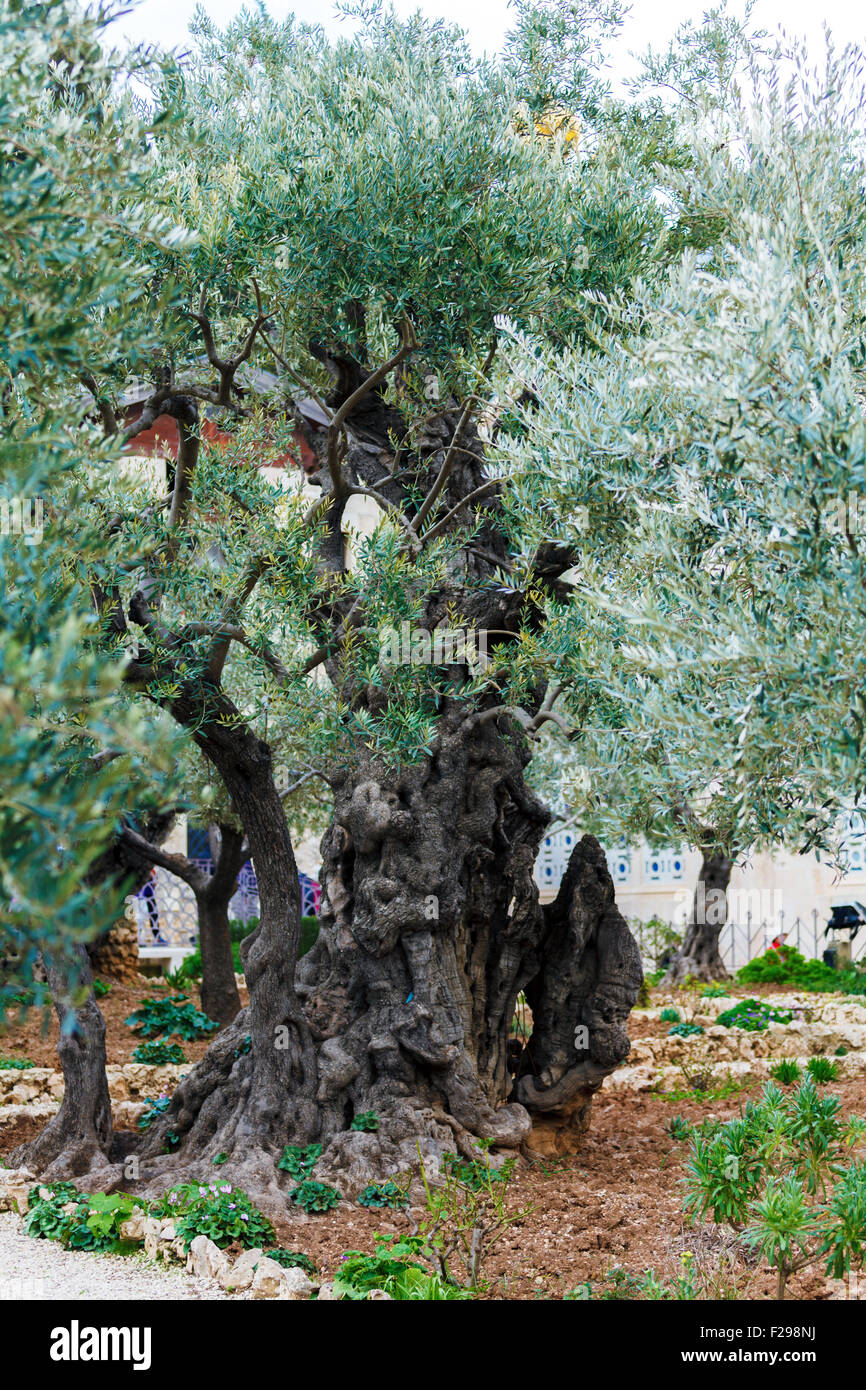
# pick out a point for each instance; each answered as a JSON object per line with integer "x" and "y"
{"x": 699, "y": 957}
{"x": 77, "y": 1139}
{"x": 254, "y": 1091}
{"x": 430, "y": 929}
{"x": 588, "y": 982}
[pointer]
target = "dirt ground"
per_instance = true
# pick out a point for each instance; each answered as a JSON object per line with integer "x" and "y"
{"x": 35, "y": 1038}
{"x": 615, "y": 1204}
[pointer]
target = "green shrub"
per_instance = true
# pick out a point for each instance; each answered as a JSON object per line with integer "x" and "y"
{"x": 314, "y": 1196}
{"x": 714, "y": 992}
{"x": 101, "y": 988}
{"x": 292, "y": 1259}
{"x": 678, "y": 1127}
{"x": 822, "y": 1070}
{"x": 685, "y": 1030}
{"x": 786, "y": 1072}
{"x": 217, "y": 1210}
{"x": 366, "y": 1120}
{"x": 299, "y": 1162}
{"x": 159, "y": 1054}
{"x": 166, "y": 1017}
{"x": 383, "y": 1194}
{"x": 753, "y": 1015}
{"x": 393, "y": 1269}
{"x": 620, "y": 1285}
{"x": 309, "y": 934}
{"x": 784, "y": 965}
{"x": 155, "y": 1108}
{"x": 58, "y": 1211}
{"x": 669, "y": 1016}
{"x": 777, "y": 1174}
{"x": 15, "y": 1064}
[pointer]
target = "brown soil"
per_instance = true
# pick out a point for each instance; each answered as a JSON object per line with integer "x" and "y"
{"x": 36, "y": 1036}
{"x": 616, "y": 1204}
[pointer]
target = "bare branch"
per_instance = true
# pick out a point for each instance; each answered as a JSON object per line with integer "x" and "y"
{"x": 441, "y": 526}
{"x": 370, "y": 383}
{"x": 448, "y": 462}
{"x": 176, "y": 864}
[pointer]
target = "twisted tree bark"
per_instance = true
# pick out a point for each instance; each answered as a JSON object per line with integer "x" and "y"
{"x": 699, "y": 957}
{"x": 78, "y": 1138}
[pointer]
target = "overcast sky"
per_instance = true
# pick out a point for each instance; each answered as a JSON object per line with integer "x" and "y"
{"x": 651, "y": 22}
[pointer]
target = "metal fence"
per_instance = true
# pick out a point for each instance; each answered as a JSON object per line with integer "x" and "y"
{"x": 740, "y": 942}
{"x": 165, "y": 908}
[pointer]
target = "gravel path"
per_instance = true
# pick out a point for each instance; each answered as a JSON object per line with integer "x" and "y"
{"x": 33, "y": 1269}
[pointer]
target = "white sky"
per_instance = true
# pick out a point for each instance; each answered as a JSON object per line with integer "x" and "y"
{"x": 651, "y": 22}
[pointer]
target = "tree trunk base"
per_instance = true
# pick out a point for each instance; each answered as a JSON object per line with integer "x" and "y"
{"x": 561, "y": 1132}
{"x": 78, "y": 1138}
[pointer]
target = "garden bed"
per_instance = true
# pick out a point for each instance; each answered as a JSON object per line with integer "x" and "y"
{"x": 614, "y": 1206}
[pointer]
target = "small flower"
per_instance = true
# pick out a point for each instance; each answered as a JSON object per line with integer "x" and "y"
{"x": 202, "y": 1192}
{"x": 226, "y": 1188}
{"x": 231, "y": 1206}
{"x": 244, "y": 1216}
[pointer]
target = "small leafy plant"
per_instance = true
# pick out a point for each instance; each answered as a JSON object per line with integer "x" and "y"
{"x": 291, "y": 1259}
{"x": 714, "y": 992}
{"x": 467, "y": 1215}
{"x": 159, "y": 1054}
{"x": 670, "y": 1016}
{"x": 155, "y": 1108}
{"x": 822, "y": 1070}
{"x": 678, "y": 1127}
{"x": 395, "y": 1268}
{"x": 314, "y": 1196}
{"x": 298, "y": 1161}
{"x": 164, "y": 1018}
{"x": 217, "y": 1210}
{"x": 78, "y": 1221}
{"x": 383, "y": 1194}
{"x": 753, "y": 1015}
{"x": 101, "y": 988}
{"x": 685, "y": 1030}
{"x": 785, "y": 1072}
{"x": 476, "y": 1173}
{"x": 778, "y": 1175}
{"x": 367, "y": 1121}
{"x": 15, "y": 1064}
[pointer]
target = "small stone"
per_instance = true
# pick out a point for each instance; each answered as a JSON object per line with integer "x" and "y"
{"x": 206, "y": 1260}
{"x": 241, "y": 1274}
{"x": 15, "y": 1184}
{"x": 268, "y": 1279}
{"x": 296, "y": 1286}
{"x": 133, "y": 1227}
